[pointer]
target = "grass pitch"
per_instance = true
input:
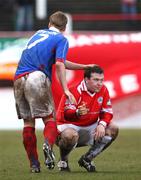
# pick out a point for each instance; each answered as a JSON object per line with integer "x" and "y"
{"x": 121, "y": 161}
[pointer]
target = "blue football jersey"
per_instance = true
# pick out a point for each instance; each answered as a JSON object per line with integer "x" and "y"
{"x": 43, "y": 49}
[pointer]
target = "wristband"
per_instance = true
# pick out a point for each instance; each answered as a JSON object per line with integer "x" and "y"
{"x": 103, "y": 123}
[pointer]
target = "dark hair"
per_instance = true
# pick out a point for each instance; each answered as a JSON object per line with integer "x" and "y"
{"x": 93, "y": 69}
{"x": 59, "y": 20}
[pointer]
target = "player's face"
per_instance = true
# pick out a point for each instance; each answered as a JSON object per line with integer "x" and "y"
{"x": 95, "y": 82}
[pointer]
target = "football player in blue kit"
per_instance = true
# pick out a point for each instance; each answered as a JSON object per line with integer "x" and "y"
{"x": 32, "y": 86}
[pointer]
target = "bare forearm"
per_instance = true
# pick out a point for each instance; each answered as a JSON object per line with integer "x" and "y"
{"x": 74, "y": 66}
{"x": 61, "y": 73}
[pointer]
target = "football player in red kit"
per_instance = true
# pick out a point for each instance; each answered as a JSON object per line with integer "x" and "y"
{"x": 86, "y": 123}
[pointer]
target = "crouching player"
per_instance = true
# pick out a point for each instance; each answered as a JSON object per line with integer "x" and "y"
{"x": 86, "y": 123}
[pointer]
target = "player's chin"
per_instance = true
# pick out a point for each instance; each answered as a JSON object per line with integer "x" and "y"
{"x": 97, "y": 90}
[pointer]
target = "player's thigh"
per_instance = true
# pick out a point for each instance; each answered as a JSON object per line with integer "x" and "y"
{"x": 86, "y": 135}
{"x": 63, "y": 127}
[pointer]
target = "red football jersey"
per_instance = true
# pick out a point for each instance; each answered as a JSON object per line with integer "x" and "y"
{"x": 98, "y": 104}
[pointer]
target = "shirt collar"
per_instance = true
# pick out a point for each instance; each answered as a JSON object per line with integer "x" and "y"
{"x": 85, "y": 88}
{"x": 54, "y": 29}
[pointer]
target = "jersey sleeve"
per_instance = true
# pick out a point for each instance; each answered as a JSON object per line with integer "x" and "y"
{"x": 66, "y": 109}
{"x": 61, "y": 50}
{"x": 106, "y": 113}
{"x": 69, "y": 108}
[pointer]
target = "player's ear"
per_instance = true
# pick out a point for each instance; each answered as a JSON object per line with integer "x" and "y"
{"x": 49, "y": 25}
{"x": 63, "y": 30}
{"x": 86, "y": 80}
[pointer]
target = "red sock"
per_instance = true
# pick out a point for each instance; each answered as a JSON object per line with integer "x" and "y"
{"x": 30, "y": 144}
{"x": 50, "y": 132}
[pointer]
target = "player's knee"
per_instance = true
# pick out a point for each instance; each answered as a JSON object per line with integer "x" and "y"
{"x": 69, "y": 136}
{"x": 112, "y": 131}
{"x": 29, "y": 123}
{"x": 115, "y": 132}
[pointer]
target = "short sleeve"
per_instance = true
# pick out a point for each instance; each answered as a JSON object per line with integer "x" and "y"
{"x": 61, "y": 50}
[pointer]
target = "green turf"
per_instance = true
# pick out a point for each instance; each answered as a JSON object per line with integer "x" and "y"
{"x": 121, "y": 161}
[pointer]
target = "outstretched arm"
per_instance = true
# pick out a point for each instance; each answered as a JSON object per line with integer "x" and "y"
{"x": 61, "y": 72}
{"x": 76, "y": 66}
